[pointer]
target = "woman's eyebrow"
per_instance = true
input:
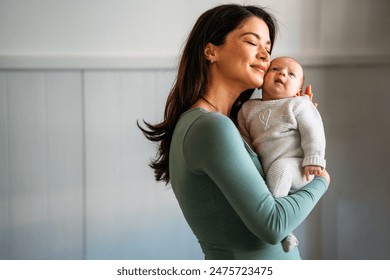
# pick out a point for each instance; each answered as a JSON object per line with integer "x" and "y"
{"x": 251, "y": 33}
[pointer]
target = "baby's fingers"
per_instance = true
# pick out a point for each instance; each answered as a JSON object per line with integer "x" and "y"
{"x": 307, "y": 174}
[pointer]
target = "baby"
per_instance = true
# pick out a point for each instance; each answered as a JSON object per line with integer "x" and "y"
{"x": 286, "y": 131}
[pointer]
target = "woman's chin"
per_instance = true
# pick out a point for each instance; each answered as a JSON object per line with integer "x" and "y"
{"x": 257, "y": 84}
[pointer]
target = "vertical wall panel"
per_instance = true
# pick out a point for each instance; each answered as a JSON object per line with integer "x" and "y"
{"x": 27, "y": 128}
{"x": 65, "y": 165}
{"x": 4, "y": 179}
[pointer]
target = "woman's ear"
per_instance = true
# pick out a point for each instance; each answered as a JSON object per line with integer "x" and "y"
{"x": 209, "y": 52}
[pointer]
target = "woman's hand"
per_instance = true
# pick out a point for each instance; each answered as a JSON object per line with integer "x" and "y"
{"x": 325, "y": 174}
{"x": 309, "y": 93}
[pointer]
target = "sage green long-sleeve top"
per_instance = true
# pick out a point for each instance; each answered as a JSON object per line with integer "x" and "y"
{"x": 218, "y": 182}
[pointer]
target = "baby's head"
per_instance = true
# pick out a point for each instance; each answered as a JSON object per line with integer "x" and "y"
{"x": 283, "y": 79}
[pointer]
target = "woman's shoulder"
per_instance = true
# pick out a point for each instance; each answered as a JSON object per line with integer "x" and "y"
{"x": 203, "y": 118}
{"x": 198, "y": 122}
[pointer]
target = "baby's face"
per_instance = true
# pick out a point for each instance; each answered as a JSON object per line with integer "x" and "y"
{"x": 283, "y": 79}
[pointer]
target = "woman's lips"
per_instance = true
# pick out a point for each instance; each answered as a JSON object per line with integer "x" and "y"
{"x": 259, "y": 67}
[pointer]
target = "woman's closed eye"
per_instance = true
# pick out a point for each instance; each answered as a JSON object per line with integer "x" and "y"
{"x": 251, "y": 43}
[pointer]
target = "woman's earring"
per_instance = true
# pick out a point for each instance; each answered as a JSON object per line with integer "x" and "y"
{"x": 211, "y": 61}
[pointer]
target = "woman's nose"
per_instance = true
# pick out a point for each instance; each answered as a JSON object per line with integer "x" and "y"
{"x": 263, "y": 54}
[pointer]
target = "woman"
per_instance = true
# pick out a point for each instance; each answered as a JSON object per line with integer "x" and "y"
{"x": 217, "y": 179}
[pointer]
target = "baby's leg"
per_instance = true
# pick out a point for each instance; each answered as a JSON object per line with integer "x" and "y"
{"x": 285, "y": 175}
{"x": 289, "y": 243}
{"x": 280, "y": 177}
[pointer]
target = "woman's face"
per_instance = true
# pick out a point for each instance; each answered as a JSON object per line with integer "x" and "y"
{"x": 244, "y": 57}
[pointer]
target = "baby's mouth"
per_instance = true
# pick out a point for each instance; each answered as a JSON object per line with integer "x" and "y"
{"x": 279, "y": 81}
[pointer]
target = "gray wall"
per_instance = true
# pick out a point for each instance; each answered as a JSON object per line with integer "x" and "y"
{"x": 74, "y": 180}
{"x": 352, "y": 219}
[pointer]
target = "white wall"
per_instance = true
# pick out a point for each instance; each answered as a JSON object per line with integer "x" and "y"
{"x": 135, "y": 33}
{"x": 74, "y": 78}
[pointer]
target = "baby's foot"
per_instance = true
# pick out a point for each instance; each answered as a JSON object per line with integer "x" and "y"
{"x": 289, "y": 243}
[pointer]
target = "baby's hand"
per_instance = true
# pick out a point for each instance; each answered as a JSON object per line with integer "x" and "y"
{"x": 312, "y": 170}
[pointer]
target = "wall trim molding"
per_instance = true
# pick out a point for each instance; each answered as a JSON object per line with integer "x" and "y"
{"x": 85, "y": 62}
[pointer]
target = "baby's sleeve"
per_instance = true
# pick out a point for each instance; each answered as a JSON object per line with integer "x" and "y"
{"x": 312, "y": 133}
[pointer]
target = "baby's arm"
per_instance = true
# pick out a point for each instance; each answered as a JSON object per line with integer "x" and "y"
{"x": 312, "y": 170}
{"x": 312, "y": 134}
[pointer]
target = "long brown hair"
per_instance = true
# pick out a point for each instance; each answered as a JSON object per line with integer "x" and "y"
{"x": 192, "y": 77}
